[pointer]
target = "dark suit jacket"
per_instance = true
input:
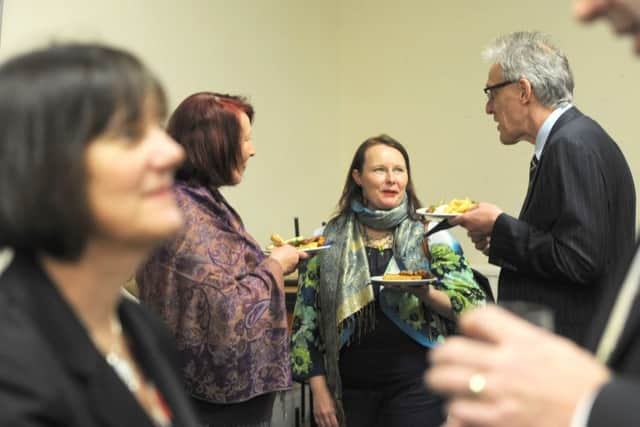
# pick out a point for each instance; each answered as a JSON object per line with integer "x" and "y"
{"x": 52, "y": 375}
{"x": 577, "y": 221}
{"x": 616, "y": 404}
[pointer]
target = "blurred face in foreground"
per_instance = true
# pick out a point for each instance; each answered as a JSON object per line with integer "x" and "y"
{"x": 129, "y": 185}
{"x": 623, "y": 15}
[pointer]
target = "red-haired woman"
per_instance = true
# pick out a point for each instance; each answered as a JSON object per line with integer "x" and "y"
{"x": 223, "y": 298}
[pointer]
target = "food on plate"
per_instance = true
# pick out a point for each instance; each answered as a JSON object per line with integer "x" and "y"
{"x": 277, "y": 240}
{"x": 298, "y": 242}
{"x": 455, "y": 206}
{"x": 409, "y": 275}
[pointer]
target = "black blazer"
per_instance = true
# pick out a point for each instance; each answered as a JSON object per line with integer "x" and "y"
{"x": 577, "y": 221}
{"x": 616, "y": 404}
{"x": 51, "y": 374}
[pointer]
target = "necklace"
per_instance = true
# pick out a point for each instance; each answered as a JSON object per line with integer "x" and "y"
{"x": 381, "y": 243}
{"x": 120, "y": 364}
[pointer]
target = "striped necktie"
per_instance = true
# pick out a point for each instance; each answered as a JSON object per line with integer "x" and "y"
{"x": 533, "y": 164}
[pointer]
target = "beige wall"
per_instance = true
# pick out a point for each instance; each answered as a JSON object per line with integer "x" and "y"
{"x": 325, "y": 75}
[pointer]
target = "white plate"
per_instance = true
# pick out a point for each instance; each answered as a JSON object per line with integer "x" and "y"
{"x": 420, "y": 282}
{"x": 310, "y": 251}
{"x": 423, "y": 212}
{"x": 314, "y": 250}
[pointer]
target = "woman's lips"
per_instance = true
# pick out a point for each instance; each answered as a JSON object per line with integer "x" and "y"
{"x": 159, "y": 192}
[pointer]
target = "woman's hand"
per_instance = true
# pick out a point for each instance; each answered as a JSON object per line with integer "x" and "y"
{"x": 288, "y": 257}
{"x": 324, "y": 408}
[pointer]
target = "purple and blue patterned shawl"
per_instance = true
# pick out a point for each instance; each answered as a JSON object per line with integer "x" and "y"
{"x": 224, "y": 301}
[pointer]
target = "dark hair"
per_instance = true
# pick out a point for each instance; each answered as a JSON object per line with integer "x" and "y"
{"x": 53, "y": 103}
{"x": 207, "y": 126}
{"x": 353, "y": 191}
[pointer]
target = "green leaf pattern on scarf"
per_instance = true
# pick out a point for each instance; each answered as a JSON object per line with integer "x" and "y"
{"x": 445, "y": 259}
{"x": 305, "y": 318}
{"x": 408, "y": 310}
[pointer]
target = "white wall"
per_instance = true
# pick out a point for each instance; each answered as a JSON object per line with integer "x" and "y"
{"x": 323, "y": 76}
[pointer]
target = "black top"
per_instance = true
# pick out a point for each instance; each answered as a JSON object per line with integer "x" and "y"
{"x": 51, "y": 374}
{"x": 386, "y": 351}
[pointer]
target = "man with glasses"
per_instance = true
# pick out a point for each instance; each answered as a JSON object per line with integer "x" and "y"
{"x": 578, "y": 215}
{"x": 509, "y": 373}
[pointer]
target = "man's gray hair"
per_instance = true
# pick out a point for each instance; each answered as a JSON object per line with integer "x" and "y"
{"x": 533, "y": 56}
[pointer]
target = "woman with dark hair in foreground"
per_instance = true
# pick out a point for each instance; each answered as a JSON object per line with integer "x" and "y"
{"x": 85, "y": 177}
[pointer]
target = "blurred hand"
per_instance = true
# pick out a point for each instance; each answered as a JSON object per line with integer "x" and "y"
{"x": 324, "y": 408}
{"x": 288, "y": 257}
{"x": 479, "y": 219}
{"x": 532, "y": 378}
{"x": 621, "y": 14}
{"x": 588, "y": 10}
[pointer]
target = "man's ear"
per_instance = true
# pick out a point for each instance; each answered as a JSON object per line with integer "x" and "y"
{"x": 526, "y": 91}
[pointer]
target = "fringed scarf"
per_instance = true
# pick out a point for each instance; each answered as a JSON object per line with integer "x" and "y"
{"x": 345, "y": 290}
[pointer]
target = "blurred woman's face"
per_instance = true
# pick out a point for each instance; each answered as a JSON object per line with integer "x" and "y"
{"x": 129, "y": 186}
{"x": 383, "y": 177}
{"x": 246, "y": 148}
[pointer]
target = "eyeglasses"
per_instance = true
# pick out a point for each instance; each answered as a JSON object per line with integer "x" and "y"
{"x": 489, "y": 89}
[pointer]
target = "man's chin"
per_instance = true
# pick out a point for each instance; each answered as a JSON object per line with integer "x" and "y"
{"x": 508, "y": 141}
